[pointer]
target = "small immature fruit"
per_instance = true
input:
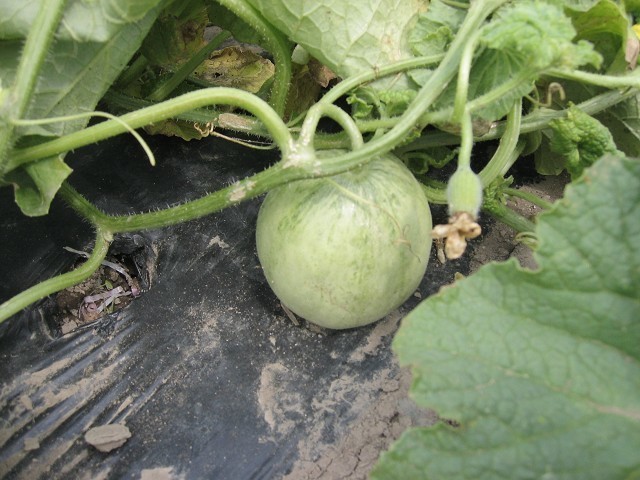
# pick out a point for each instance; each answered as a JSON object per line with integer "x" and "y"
{"x": 464, "y": 196}
{"x": 345, "y": 251}
{"x": 464, "y": 192}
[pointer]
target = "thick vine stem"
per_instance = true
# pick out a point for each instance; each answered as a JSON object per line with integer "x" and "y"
{"x": 529, "y": 197}
{"x": 161, "y": 111}
{"x": 55, "y": 284}
{"x": 66, "y": 118}
{"x": 531, "y": 122}
{"x": 82, "y": 206}
{"x": 246, "y": 123}
{"x": 245, "y": 189}
{"x": 310, "y": 124}
{"x": 462, "y": 86}
{"x": 108, "y": 225}
{"x": 503, "y": 157}
{"x": 507, "y": 216}
{"x": 35, "y": 50}
{"x": 277, "y": 45}
{"x": 607, "y": 81}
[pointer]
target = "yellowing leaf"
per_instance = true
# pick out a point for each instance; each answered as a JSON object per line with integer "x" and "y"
{"x": 236, "y": 67}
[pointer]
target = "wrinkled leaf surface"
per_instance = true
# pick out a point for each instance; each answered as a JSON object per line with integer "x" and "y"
{"x": 540, "y": 368}
{"x": 348, "y": 37}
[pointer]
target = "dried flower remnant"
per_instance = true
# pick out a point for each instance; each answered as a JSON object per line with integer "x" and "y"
{"x": 461, "y": 228}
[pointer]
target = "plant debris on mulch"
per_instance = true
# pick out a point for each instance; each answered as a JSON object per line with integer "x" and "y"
{"x": 111, "y": 288}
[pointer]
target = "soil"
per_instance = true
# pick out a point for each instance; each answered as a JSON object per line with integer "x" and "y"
{"x": 376, "y": 426}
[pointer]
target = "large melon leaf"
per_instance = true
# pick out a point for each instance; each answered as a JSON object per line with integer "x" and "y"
{"x": 541, "y": 369}
{"x": 348, "y": 37}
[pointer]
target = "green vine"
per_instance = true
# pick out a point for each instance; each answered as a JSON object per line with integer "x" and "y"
{"x": 60, "y": 282}
{"x": 161, "y": 111}
{"x": 243, "y": 190}
{"x": 529, "y": 197}
{"x": 507, "y": 216}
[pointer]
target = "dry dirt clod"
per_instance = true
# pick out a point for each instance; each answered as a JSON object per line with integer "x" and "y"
{"x": 31, "y": 444}
{"x": 107, "y": 437}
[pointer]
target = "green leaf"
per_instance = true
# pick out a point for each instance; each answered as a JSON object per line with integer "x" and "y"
{"x": 576, "y": 5}
{"x": 76, "y": 74}
{"x": 395, "y": 102}
{"x": 540, "y": 368}
{"x": 367, "y": 102}
{"x": 224, "y": 18}
{"x": 623, "y": 121}
{"x": 420, "y": 162}
{"x": 520, "y": 42}
{"x": 581, "y": 140}
{"x": 605, "y": 26}
{"x": 547, "y": 161}
{"x": 435, "y": 29}
{"x": 306, "y": 86}
{"x": 83, "y": 21}
{"x": 491, "y": 70}
{"x": 540, "y": 35}
{"x": 363, "y": 100}
{"x": 633, "y": 6}
{"x": 36, "y": 184}
{"x": 348, "y": 37}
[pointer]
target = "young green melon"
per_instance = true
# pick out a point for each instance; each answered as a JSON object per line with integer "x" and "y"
{"x": 345, "y": 251}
